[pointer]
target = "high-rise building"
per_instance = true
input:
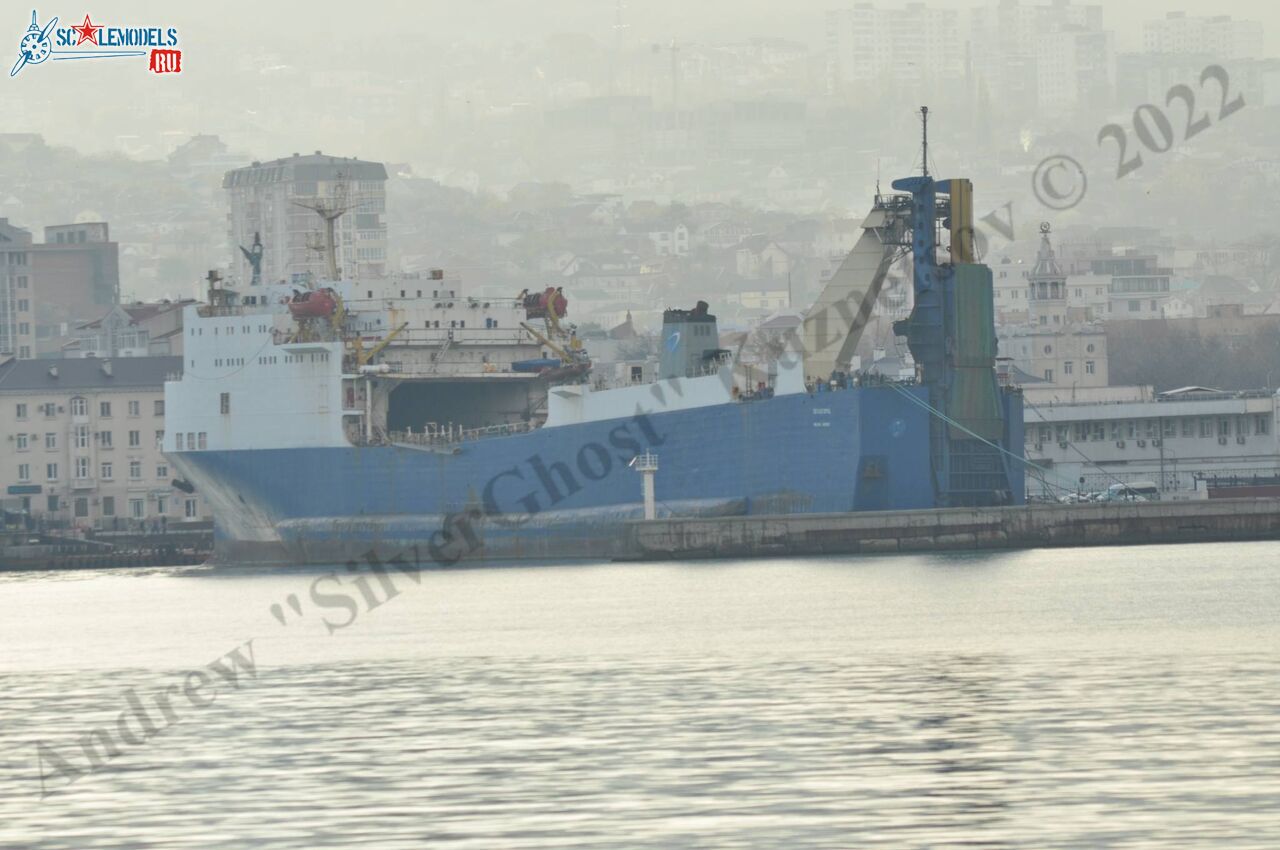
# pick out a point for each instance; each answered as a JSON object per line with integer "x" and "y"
{"x": 1006, "y": 42}
{"x": 900, "y": 48}
{"x": 76, "y": 274}
{"x": 46, "y": 288}
{"x": 280, "y": 204}
{"x": 1075, "y": 67}
{"x": 1219, "y": 37}
{"x": 17, "y": 319}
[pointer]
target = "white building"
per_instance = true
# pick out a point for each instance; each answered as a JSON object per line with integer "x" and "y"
{"x": 80, "y": 442}
{"x": 1218, "y": 36}
{"x": 1056, "y": 340}
{"x": 1170, "y": 438}
{"x": 276, "y": 201}
{"x": 1075, "y": 67}
{"x": 910, "y": 46}
{"x": 1006, "y": 43}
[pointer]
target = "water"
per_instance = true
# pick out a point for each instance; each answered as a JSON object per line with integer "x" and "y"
{"x": 1059, "y": 698}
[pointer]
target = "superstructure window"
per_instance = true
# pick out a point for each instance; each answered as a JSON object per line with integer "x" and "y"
{"x": 224, "y": 402}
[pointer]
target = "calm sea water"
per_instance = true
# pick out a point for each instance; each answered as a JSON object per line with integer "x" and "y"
{"x": 1061, "y": 698}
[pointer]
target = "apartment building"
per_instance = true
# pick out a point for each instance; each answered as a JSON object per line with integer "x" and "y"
{"x": 80, "y": 442}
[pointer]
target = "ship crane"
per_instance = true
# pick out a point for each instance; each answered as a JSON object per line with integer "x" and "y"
{"x": 565, "y": 356}
{"x": 550, "y": 306}
{"x": 364, "y": 357}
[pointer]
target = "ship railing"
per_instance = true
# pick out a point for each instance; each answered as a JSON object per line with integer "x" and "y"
{"x": 439, "y": 434}
{"x": 206, "y": 311}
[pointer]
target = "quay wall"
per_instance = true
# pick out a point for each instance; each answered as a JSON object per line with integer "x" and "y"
{"x": 1103, "y": 524}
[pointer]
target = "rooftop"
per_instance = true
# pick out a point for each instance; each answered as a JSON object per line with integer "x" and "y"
{"x": 87, "y": 373}
{"x": 316, "y": 166}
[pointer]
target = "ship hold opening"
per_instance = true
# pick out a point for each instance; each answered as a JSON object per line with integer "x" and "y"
{"x": 442, "y": 406}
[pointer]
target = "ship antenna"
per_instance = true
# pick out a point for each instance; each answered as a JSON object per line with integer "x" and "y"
{"x": 924, "y": 146}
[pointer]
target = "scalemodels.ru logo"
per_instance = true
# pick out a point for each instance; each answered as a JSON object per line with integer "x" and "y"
{"x": 89, "y": 40}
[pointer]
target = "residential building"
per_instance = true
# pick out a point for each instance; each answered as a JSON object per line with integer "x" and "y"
{"x": 275, "y": 203}
{"x": 1218, "y": 36}
{"x": 1006, "y": 42}
{"x": 132, "y": 330}
{"x": 904, "y": 47}
{"x": 1075, "y": 67}
{"x": 763, "y": 294}
{"x": 76, "y": 275}
{"x": 669, "y": 240}
{"x": 80, "y": 442}
{"x": 17, "y": 313}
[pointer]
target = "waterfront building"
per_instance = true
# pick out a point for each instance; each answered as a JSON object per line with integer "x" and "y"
{"x": 1092, "y": 441}
{"x": 1056, "y": 339}
{"x": 80, "y": 442}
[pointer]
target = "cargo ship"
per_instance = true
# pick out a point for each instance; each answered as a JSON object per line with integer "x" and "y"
{"x": 352, "y": 420}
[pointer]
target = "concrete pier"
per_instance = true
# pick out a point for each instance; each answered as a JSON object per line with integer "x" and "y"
{"x": 1104, "y": 524}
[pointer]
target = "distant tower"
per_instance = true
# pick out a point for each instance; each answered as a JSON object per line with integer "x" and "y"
{"x": 1046, "y": 284}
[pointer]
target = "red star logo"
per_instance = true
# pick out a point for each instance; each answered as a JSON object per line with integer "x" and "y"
{"x": 88, "y": 31}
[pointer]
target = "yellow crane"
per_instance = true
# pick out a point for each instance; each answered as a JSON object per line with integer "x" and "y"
{"x": 565, "y": 357}
{"x": 363, "y": 357}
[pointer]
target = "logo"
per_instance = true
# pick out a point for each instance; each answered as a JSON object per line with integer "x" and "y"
{"x": 673, "y": 341}
{"x": 89, "y": 40}
{"x": 1059, "y": 182}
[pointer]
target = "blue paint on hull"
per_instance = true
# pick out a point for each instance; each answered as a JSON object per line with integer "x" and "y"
{"x": 567, "y": 491}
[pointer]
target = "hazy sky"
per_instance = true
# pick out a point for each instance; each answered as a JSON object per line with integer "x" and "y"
{"x": 221, "y": 35}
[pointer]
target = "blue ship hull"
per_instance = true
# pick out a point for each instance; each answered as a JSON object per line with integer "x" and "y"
{"x": 567, "y": 492}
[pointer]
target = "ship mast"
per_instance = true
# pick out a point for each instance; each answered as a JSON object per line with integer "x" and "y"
{"x": 330, "y": 209}
{"x": 924, "y": 144}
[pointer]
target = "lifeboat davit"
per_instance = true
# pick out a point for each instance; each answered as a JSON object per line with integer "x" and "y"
{"x": 315, "y": 304}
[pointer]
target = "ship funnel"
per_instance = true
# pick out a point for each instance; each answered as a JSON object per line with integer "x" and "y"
{"x": 690, "y": 342}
